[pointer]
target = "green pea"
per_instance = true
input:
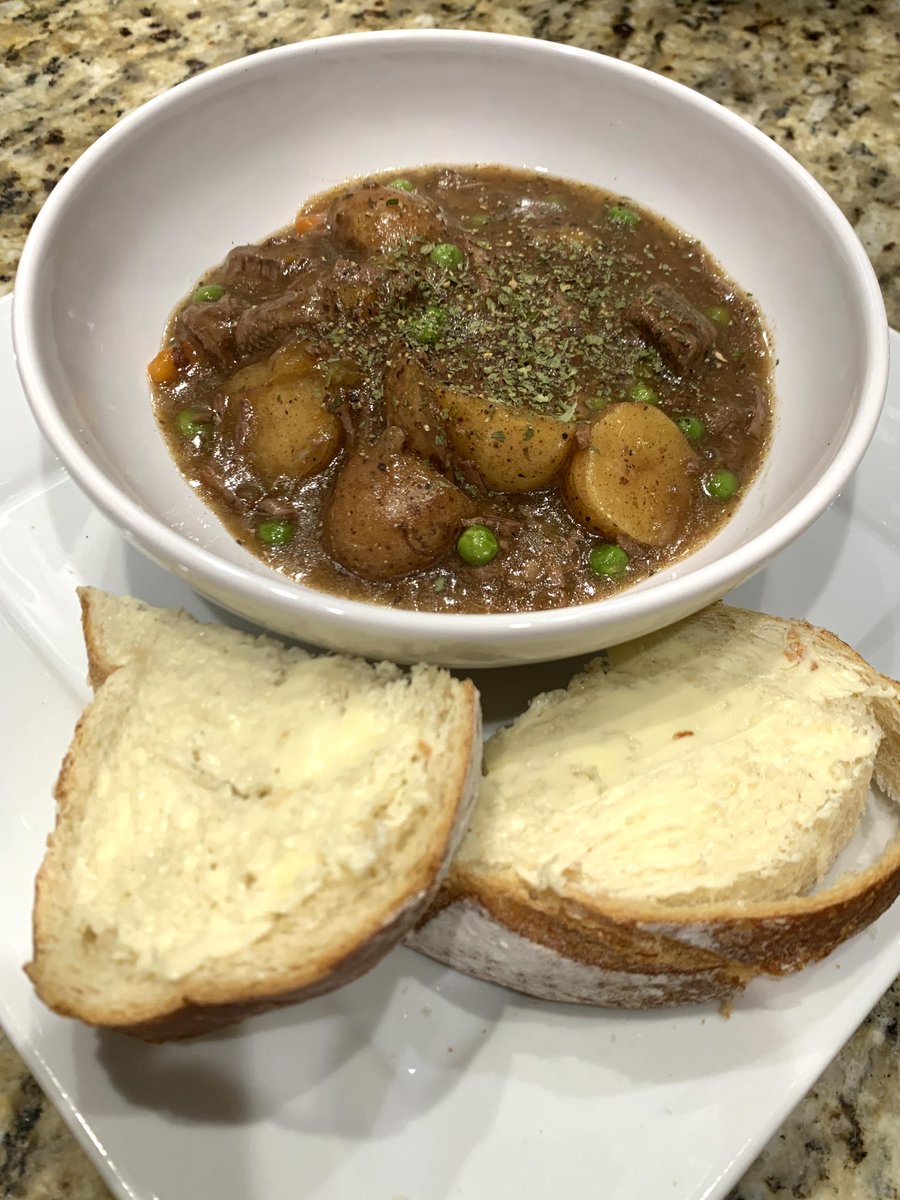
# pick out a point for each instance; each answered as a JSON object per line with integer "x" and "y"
{"x": 475, "y": 220}
{"x": 721, "y": 484}
{"x": 209, "y": 291}
{"x": 275, "y": 532}
{"x": 477, "y": 545}
{"x": 608, "y": 560}
{"x": 191, "y": 424}
{"x": 448, "y": 256}
{"x": 427, "y": 326}
{"x": 691, "y": 427}
{"x": 402, "y": 185}
{"x": 642, "y": 393}
{"x": 719, "y": 313}
{"x": 620, "y": 214}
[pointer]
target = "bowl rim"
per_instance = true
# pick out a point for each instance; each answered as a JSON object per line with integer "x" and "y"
{"x": 290, "y": 597}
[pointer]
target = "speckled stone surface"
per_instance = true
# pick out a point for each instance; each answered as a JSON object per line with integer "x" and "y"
{"x": 820, "y": 77}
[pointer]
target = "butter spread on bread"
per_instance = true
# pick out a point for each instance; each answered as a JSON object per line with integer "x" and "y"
{"x": 639, "y": 836}
{"x": 239, "y": 820}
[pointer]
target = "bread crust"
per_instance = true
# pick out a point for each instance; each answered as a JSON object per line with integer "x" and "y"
{"x": 200, "y": 1007}
{"x": 587, "y": 949}
{"x": 192, "y": 1019}
{"x": 609, "y": 953}
{"x": 466, "y": 936}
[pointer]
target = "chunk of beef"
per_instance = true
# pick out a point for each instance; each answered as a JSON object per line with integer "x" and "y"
{"x": 259, "y": 272}
{"x": 738, "y": 421}
{"x": 266, "y": 326}
{"x": 230, "y": 485}
{"x": 357, "y": 288}
{"x": 372, "y": 219}
{"x": 468, "y": 476}
{"x": 727, "y": 414}
{"x": 503, "y": 527}
{"x": 410, "y": 398}
{"x": 362, "y": 290}
{"x": 274, "y": 506}
{"x": 680, "y": 333}
{"x": 759, "y": 412}
{"x": 210, "y": 328}
{"x": 583, "y": 434}
{"x": 349, "y": 289}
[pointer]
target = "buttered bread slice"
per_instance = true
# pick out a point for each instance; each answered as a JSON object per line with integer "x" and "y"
{"x": 651, "y": 834}
{"x": 240, "y": 824}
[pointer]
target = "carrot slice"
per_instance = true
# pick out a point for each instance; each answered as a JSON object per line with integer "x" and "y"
{"x": 162, "y": 368}
{"x": 306, "y": 222}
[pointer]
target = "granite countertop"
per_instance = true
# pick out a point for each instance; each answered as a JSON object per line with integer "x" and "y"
{"x": 820, "y": 76}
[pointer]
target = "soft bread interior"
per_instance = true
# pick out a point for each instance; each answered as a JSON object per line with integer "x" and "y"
{"x": 234, "y": 807}
{"x": 727, "y": 758}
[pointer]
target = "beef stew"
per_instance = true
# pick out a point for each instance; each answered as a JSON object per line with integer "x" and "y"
{"x": 468, "y": 390}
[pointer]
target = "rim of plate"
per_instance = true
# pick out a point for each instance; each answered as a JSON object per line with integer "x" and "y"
{"x": 449, "y": 628}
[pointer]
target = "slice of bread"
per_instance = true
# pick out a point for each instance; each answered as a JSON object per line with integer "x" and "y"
{"x": 653, "y": 834}
{"x": 240, "y": 824}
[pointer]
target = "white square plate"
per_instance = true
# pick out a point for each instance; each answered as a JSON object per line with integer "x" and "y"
{"x": 414, "y": 1083}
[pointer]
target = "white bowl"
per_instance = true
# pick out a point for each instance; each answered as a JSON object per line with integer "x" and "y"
{"x": 227, "y": 158}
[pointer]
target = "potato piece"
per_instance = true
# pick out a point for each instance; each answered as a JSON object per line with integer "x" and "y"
{"x": 390, "y": 513}
{"x": 374, "y": 220}
{"x": 513, "y": 451}
{"x": 291, "y": 360}
{"x": 410, "y": 397}
{"x": 633, "y": 478}
{"x": 443, "y": 424}
{"x": 289, "y": 431}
